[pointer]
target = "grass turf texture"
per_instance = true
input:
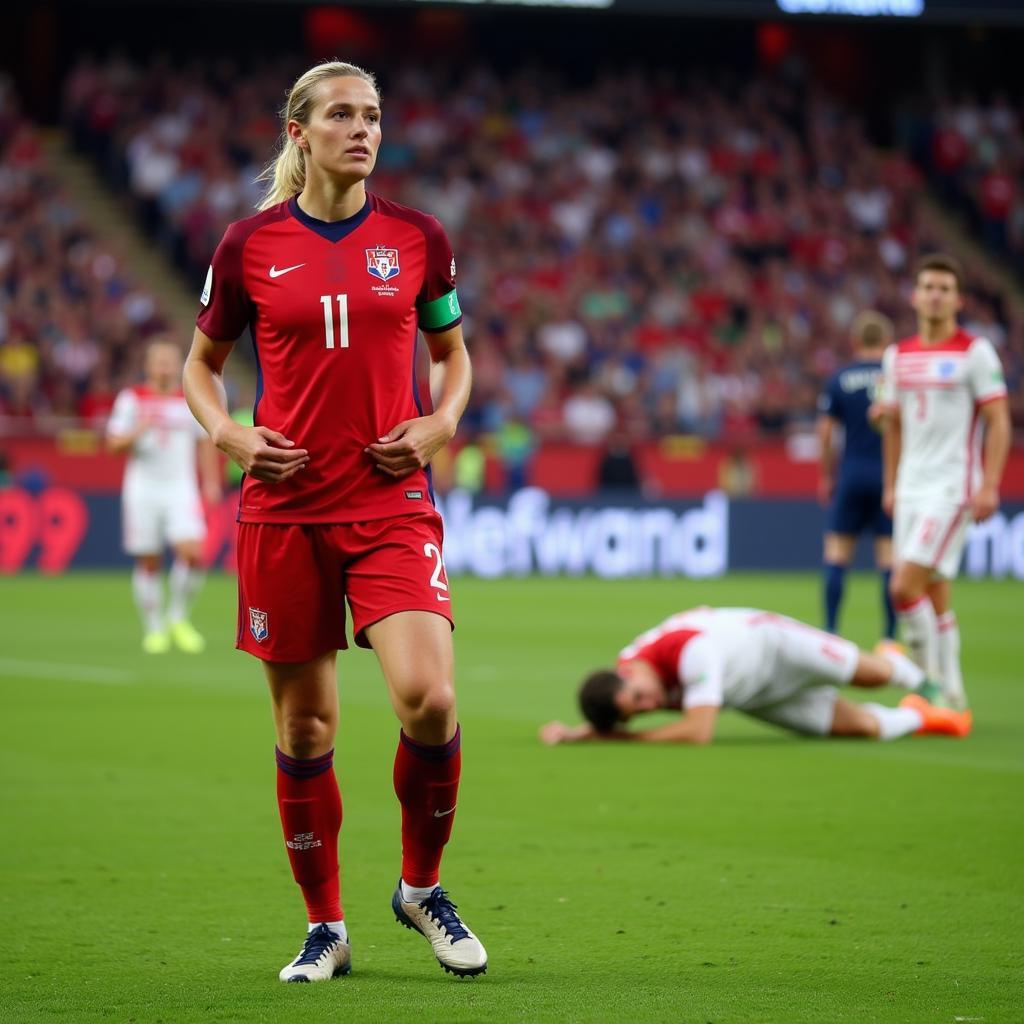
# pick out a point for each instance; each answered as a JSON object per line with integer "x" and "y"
{"x": 765, "y": 878}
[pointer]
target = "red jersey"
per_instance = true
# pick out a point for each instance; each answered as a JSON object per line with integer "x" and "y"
{"x": 662, "y": 648}
{"x": 333, "y": 309}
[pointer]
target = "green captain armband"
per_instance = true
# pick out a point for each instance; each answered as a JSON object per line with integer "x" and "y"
{"x": 440, "y": 314}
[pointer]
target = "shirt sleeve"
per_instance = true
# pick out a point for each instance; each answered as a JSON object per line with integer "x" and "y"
{"x": 886, "y": 393}
{"x": 226, "y": 308}
{"x": 985, "y": 372}
{"x": 828, "y": 402}
{"x": 700, "y": 671}
{"x": 437, "y": 304}
{"x": 124, "y": 417}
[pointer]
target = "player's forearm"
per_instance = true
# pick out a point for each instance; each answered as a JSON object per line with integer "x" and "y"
{"x": 209, "y": 466}
{"x": 828, "y": 457}
{"x": 451, "y": 377}
{"x": 121, "y": 444}
{"x": 997, "y": 447}
{"x": 685, "y": 731}
{"x": 892, "y": 447}
{"x": 206, "y": 397}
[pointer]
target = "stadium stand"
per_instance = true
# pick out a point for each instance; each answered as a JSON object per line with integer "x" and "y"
{"x": 974, "y": 153}
{"x": 652, "y": 256}
{"x": 71, "y": 314}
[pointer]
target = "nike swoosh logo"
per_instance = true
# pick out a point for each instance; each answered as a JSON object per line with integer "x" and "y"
{"x": 444, "y": 814}
{"x": 274, "y": 272}
{"x": 440, "y": 598}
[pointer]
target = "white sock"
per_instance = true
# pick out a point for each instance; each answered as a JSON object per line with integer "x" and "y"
{"x": 338, "y": 927}
{"x": 183, "y": 586}
{"x": 148, "y": 598}
{"x": 416, "y": 894}
{"x": 921, "y": 631}
{"x": 894, "y": 722}
{"x": 904, "y": 672}
{"x": 949, "y": 655}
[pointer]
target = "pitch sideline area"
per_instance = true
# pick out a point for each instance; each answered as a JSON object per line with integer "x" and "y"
{"x": 765, "y": 878}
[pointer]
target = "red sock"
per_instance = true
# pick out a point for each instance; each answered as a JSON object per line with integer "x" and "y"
{"x": 427, "y": 786}
{"x": 310, "y": 806}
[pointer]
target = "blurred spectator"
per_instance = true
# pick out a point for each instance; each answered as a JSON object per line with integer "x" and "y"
{"x": 589, "y": 415}
{"x": 617, "y": 471}
{"x": 70, "y": 314}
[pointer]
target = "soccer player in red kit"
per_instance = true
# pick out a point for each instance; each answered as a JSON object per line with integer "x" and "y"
{"x": 333, "y": 283}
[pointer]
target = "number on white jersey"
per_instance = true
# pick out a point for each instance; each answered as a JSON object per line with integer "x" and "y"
{"x": 329, "y": 320}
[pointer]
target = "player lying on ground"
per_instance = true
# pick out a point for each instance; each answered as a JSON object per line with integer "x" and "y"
{"x": 768, "y": 666}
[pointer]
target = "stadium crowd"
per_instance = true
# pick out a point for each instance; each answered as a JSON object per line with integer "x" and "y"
{"x": 975, "y": 154}
{"x": 639, "y": 256}
{"x": 71, "y": 315}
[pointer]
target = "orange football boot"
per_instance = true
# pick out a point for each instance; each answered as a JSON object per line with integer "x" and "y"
{"x": 938, "y": 721}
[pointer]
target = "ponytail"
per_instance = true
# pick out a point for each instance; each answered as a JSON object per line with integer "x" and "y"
{"x": 287, "y": 172}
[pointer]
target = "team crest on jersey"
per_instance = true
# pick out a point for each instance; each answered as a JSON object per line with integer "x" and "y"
{"x": 946, "y": 369}
{"x": 258, "y": 625}
{"x": 382, "y": 263}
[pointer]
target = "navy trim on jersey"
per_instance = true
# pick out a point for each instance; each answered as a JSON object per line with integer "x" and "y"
{"x": 255, "y": 405}
{"x": 332, "y": 230}
{"x": 259, "y": 370}
{"x": 419, "y": 409}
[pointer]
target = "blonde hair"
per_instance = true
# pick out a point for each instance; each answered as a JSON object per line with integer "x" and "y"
{"x": 287, "y": 171}
{"x": 871, "y": 329}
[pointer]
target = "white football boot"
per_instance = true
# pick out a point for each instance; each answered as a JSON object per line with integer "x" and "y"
{"x": 457, "y": 949}
{"x": 324, "y": 955}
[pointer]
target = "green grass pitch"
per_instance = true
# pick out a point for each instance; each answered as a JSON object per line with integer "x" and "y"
{"x": 765, "y": 878}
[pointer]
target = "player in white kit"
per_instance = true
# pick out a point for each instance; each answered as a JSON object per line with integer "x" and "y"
{"x": 766, "y": 665}
{"x": 161, "y": 504}
{"x": 943, "y": 407}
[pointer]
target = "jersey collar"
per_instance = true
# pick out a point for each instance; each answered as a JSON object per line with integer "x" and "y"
{"x": 332, "y": 230}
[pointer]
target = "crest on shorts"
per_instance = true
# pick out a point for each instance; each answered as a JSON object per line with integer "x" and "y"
{"x": 382, "y": 263}
{"x": 258, "y": 625}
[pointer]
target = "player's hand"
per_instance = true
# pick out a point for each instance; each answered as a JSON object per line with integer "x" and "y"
{"x": 262, "y": 452}
{"x": 410, "y": 445}
{"x": 888, "y": 501}
{"x": 558, "y": 732}
{"x": 877, "y": 413}
{"x": 984, "y": 503}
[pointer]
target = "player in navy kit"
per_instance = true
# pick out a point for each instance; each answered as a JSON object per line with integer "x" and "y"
{"x": 334, "y": 284}
{"x": 854, "y": 493}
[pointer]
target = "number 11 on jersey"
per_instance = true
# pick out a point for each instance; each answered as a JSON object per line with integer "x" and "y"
{"x": 329, "y": 320}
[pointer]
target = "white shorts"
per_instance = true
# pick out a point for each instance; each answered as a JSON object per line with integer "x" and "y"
{"x": 810, "y": 712}
{"x": 809, "y": 666}
{"x": 153, "y": 519}
{"x": 930, "y": 532}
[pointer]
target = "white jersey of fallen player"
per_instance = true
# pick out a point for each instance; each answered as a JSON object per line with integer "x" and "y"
{"x": 742, "y": 658}
{"x": 938, "y": 390}
{"x": 164, "y": 456}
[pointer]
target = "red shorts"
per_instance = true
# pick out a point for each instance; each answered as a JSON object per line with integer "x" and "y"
{"x": 293, "y": 581}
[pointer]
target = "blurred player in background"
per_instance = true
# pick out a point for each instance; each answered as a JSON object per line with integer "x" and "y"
{"x": 854, "y": 494}
{"x": 336, "y": 502}
{"x": 766, "y": 665}
{"x": 947, "y": 435}
{"x": 161, "y": 503}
